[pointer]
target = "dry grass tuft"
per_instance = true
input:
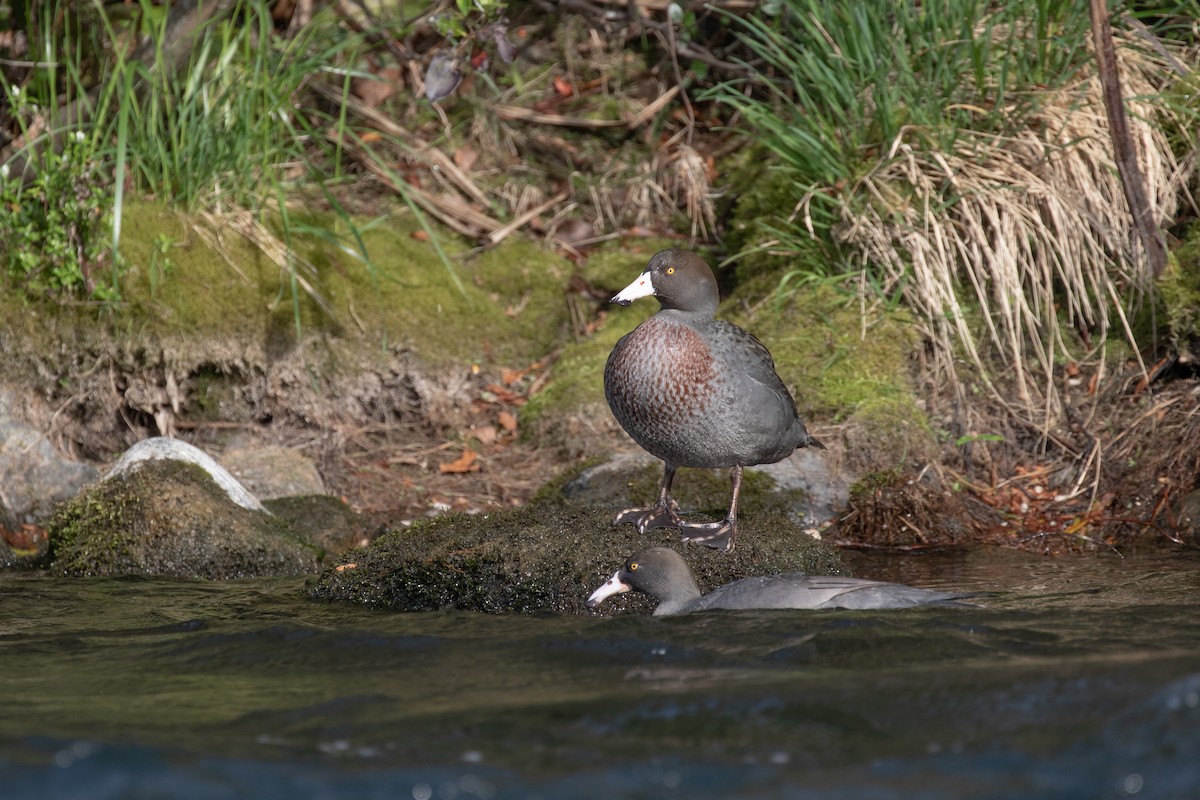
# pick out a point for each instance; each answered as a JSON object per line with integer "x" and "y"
{"x": 1033, "y": 224}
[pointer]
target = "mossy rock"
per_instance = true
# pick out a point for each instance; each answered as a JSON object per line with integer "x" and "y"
{"x": 546, "y": 557}
{"x": 170, "y": 518}
{"x": 633, "y": 480}
{"x": 322, "y": 520}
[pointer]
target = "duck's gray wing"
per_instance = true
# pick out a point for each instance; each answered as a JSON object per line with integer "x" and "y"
{"x": 749, "y": 355}
{"x": 875, "y": 595}
{"x": 797, "y": 590}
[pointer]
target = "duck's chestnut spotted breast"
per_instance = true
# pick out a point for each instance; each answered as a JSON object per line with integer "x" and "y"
{"x": 661, "y": 384}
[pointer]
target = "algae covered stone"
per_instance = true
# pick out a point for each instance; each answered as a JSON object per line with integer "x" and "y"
{"x": 543, "y": 558}
{"x": 170, "y": 518}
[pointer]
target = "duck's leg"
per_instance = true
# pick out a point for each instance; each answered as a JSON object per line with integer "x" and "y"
{"x": 718, "y": 535}
{"x": 661, "y": 514}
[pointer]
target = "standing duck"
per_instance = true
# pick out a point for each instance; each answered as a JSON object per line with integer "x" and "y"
{"x": 696, "y": 391}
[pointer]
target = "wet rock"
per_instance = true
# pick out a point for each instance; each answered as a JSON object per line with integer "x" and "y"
{"x": 807, "y": 471}
{"x": 611, "y": 482}
{"x": 34, "y": 477}
{"x": 271, "y": 471}
{"x": 546, "y": 557}
{"x": 799, "y": 487}
{"x": 161, "y": 516}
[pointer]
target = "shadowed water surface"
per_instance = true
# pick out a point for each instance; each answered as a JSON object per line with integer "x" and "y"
{"x": 1080, "y": 678}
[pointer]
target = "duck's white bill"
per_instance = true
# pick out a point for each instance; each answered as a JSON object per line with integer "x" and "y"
{"x": 614, "y": 586}
{"x": 642, "y": 287}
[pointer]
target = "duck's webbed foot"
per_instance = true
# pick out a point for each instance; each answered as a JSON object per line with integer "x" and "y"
{"x": 717, "y": 535}
{"x": 660, "y": 515}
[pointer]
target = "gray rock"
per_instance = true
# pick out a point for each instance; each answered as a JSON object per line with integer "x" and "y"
{"x": 272, "y": 472}
{"x": 609, "y": 481}
{"x": 801, "y": 485}
{"x": 827, "y": 490}
{"x": 162, "y": 448}
{"x": 34, "y": 476}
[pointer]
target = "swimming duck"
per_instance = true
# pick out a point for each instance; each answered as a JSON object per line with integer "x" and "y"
{"x": 663, "y": 574}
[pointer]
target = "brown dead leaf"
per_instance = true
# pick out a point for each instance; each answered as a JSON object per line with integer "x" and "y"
{"x": 420, "y": 236}
{"x": 507, "y": 420}
{"x": 344, "y": 567}
{"x": 510, "y": 376}
{"x": 563, "y": 86}
{"x": 26, "y": 538}
{"x": 373, "y": 91}
{"x": 486, "y": 434}
{"x": 467, "y": 462}
{"x": 574, "y": 231}
{"x": 465, "y": 158}
{"x": 502, "y": 395}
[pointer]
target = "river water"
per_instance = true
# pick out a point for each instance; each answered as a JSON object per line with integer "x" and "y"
{"x": 1077, "y": 678}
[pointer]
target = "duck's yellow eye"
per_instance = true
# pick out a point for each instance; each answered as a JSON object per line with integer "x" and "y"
{"x": 670, "y": 270}
{"x": 633, "y": 566}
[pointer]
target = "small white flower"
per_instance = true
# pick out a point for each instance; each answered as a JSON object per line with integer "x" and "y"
{"x": 15, "y": 91}
{"x": 79, "y": 137}
{"x": 3, "y": 171}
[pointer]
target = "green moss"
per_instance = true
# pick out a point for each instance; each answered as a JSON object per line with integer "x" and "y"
{"x": 92, "y": 530}
{"x": 1179, "y": 291}
{"x": 830, "y": 356}
{"x": 321, "y": 520}
{"x": 221, "y": 315}
{"x": 577, "y": 380}
{"x": 764, "y": 197}
{"x": 879, "y": 479}
{"x": 886, "y": 433}
{"x": 510, "y": 310}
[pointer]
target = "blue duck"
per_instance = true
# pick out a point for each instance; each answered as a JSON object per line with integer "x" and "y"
{"x": 696, "y": 391}
{"x": 663, "y": 574}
